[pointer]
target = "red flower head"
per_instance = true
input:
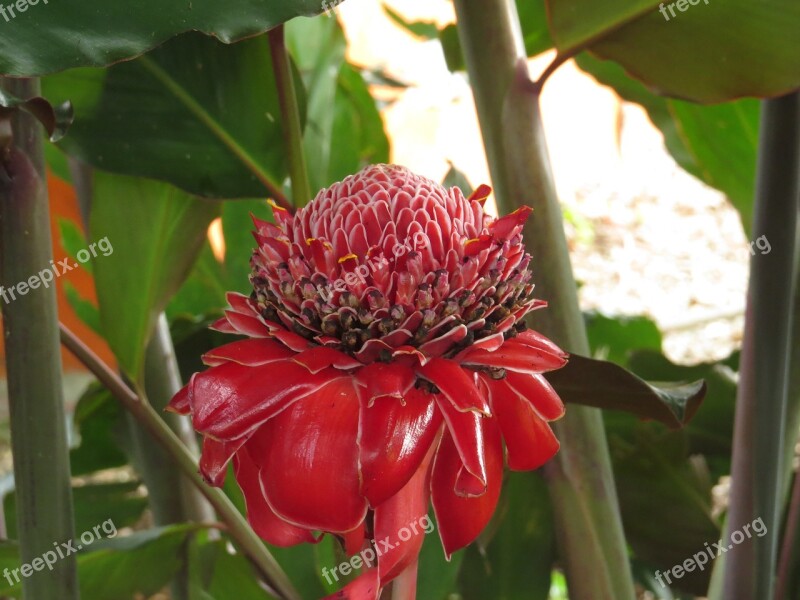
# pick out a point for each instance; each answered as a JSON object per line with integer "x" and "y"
{"x": 386, "y": 366}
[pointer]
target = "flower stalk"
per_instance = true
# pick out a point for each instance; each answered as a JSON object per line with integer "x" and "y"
{"x": 33, "y": 360}
{"x": 290, "y": 113}
{"x": 590, "y": 536}
{"x": 761, "y": 404}
{"x": 237, "y": 527}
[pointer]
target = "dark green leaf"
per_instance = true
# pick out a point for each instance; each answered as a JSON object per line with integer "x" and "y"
{"x": 517, "y": 561}
{"x": 56, "y": 36}
{"x": 665, "y": 498}
{"x": 708, "y": 52}
{"x": 141, "y": 563}
{"x": 716, "y": 144}
{"x": 195, "y": 112}
{"x": 602, "y": 384}
{"x": 97, "y": 418}
{"x": 455, "y": 178}
{"x": 218, "y": 574}
{"x": 156, "y": 232}
{"x": 710, "y": 432}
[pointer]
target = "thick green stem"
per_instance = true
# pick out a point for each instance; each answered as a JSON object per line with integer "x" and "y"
{"x": 290, "y": 117}
{"x": 758, "y": 453}
{"x": 788, "y": 581}
{"x": 33, "y": 359}
{"x": 162, "y": 381}
{"x": 237, "y": 526}
{"x": 590, "y": 536}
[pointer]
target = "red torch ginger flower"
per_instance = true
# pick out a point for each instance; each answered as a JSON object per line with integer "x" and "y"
{"x": 386, "y": 367}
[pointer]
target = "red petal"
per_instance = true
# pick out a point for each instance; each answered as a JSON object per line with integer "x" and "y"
{"x": 215, "y": 458}
{"x": 480, "y": 194}
{"x": 240, "y": 303}
{"x": 247, "y": 324}
{"x": 251, "y": 352}
{"x": 230, "y": 400}
{"x": 309, "y": 456}
{"x": 354, "y": 540}
{"x": 365, "y": 587}
{"x": 461, "y": 519}
{"x": 393, "y": 439}
{"x": 455, "y": 383}
{"x": 529, "y": 440}
{"x": 381, "y": 379}
{"x": 514, "y": 357}
{"x": 504, "y": 227}
{"x": 534, "y": 339}
{"x": 402, "y": 522}
{"x": 267, "y": 525}
{"x": 317, "y": 358}
{"x": 538, "y": 391}
{"x": 180, "y": 402}
{"x": 466, "y": 431}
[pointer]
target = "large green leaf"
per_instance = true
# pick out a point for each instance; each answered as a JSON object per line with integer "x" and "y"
{"x": 59, "y": 35}
{"x": 156, "y": 231}
{"x": 98, "y": 419}
{"x": 665, "y": 497}
{"x": 343, "y": 129}
{"x": 714, "y": 143}
{"x": 141, "y": 563}
{"x": 195, "y": 112}
{"x": 218, "y": 574}
{"x": 517, "y": 561}
{"x": 710, "y": 51}
{"x": 602, "y": 384}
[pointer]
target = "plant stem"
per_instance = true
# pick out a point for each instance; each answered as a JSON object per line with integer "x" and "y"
{"x": 33, "y": 359}
{"x": 581, "y": 483}
{"x": 238, "y": 528}
{"x": 290, "y": 112}
{"x": 162, "y": 381}
{"x": 758, "y": 451}
{"x": 789, "y": 564}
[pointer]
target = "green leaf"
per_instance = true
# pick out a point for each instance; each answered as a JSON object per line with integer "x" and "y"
{"x": 97, "y": 418}
{"x": 196, "y": 113}
{"x": 716, "y": 144}
{"x": 710, "y": 432}
{"x": 156, "y": 232}
{"x": 57, "y": 35}
{"x": 141, "y": 563}
{"x": 517, "y": 561}
{"x": 218, "y": 574}
{"x": 711, "y": 51}
{"x": 665, "y": 497}
{"x": 613, "y": 338}
{"x": 55, "y": 120}
{"x": 437, "y": 578}
{"x": 605, "y": 385}
{"x": 72, "y": 240}
{"x": 344, "y": 130}
{"x": 421, "y": 29}
{"x": 455, "y": 178}
{"x": 86, "y": 311}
